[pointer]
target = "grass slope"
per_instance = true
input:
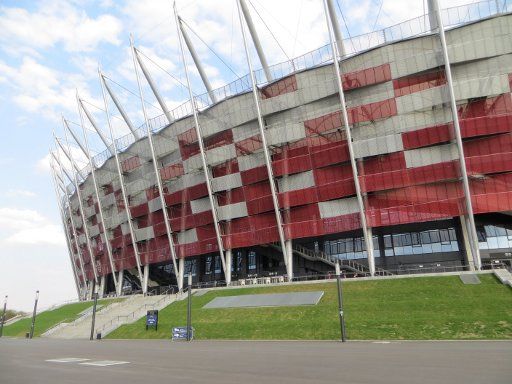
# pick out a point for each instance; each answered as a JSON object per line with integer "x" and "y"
{"x": 47, "y": 319}
{"x": 412, "y": 308}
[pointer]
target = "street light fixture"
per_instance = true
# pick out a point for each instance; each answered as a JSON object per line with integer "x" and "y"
{"x": 34, "y": 316}
{"x": 340, "y": 302}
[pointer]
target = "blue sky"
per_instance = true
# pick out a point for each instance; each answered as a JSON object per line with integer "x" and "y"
{"x": 49, "y": 48}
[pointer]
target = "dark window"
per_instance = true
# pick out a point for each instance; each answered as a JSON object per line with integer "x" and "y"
{"x": 445, "y": 236}
{"x": 218, "y": 267}
{"x": 415, "y": 239}
{"x": 208, "y": 269}
{"x": 252, "y": 260}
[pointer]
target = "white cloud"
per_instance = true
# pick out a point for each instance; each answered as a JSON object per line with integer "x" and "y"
{"x": 56, "y": 22}
{"x": 29, "y": 227}
{"x": 19, "y": 193}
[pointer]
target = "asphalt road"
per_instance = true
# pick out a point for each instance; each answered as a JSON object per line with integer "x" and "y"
{"x": 160, "y": 361}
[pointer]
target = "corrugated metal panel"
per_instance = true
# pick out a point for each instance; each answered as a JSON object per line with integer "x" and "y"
{"x": 188, "y": 236}
{"x": 226, "y": 182}
{"x": 431, "y": 155}
{"x": 283, "y": 133}
{"x": 232, "y": 211}
{"x": 298, "y": 181}
{"x": 378, "y": 146}
{"x": 221, "y": 154}
{"x": 251, "y": 161}
{"x": 200, "y": 205}
{"x": 339, "y": 207}
{"x": 144, "y": 233}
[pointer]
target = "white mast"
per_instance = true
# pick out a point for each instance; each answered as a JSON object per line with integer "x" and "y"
{"x": 121, "y": 182}
{"x": 197, "y": 62}
{"x": 168, "y": 229}
{"x": 255, "y": 39}
{"x": 287, "y": 251}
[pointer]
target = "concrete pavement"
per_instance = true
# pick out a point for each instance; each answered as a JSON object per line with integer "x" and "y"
{"x": 139, "y": 361}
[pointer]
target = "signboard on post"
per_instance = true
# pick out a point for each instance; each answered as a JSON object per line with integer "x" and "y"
{"x": 180, "y": 333}
{"x": 152, "y": 319}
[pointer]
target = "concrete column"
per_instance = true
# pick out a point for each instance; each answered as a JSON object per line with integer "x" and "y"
{"x": 182, "y": 272}
{"x": 370, "y": 251}
{"x": 120, "y": 281}
{"x": 229, "y": 262}
{"x": 146, "y": 278}
{"x": 468, "y": 254}
{"x": 101, "y": 291}
{"x": 89, "y": 290}
{"x": 289, "y": 258}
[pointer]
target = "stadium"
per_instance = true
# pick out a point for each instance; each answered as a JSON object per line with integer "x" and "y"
{"x": 399, "y": 160}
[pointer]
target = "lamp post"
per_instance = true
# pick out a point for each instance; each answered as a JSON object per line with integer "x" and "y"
{"x": 189, "y": 308}
{"x": 3, "y": 316}
{"x": 93, "y": 321}
{"x": 34, "y": 316}
{"x": 340, "y": 302}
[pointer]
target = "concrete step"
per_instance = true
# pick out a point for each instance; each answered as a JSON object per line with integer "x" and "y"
{"x": 504, "y": 276}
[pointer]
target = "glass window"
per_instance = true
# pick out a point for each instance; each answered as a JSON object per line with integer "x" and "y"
{"x": 415, "y": 239}
{"x": 208, "y": 269}
{"x": 218, "y": 264}
{"x": 453, "y": 234}
{"x": 425, "y": 237}
{"x": 387, "y": 242}
{"x": 252, "y": 260}
{"x": 445, "y": 236}
{"x": 434, "y": 236}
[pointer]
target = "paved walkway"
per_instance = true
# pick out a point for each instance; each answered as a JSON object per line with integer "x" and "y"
{"x": 160, "y": 361}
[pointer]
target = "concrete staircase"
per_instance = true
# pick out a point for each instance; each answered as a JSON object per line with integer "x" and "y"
{"x": 504, "y": 276}
{"x": 111, "y": 317}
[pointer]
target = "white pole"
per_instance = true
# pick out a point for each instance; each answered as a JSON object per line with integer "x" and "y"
{"x": 203, "y": 155}
{"x": 95, "y": 126}
{"x": 336, "y": 27}
{"x": 121, "y": 182}
{"x": 458, "y": 137}
{"x": 87, "y": 152}
{"x": 119, "y": 107}
{"x": 336, "y": 60}
{"x": 196, "y": 60}
{"x": 153, "y": 86}
{"x": 80, "y": 206}
{"x": 157, "y": 171}
{"x": 289, "y": 266}
{"x": 255, "y": 39}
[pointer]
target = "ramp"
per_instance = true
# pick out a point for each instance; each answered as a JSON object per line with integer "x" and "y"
{"x": 469, "y": 279}
{"x": 266, "y": 300}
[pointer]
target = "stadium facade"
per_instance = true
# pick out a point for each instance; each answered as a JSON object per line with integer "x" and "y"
{"x": 273, "y": 185}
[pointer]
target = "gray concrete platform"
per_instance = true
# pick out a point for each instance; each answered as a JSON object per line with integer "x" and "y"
{"x": 162, "y": 361}
{"x": 266, "y": 300}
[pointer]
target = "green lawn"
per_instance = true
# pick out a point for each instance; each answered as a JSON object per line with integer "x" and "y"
{"x": 47, "y": 319}
{"x": 412, "y": 308}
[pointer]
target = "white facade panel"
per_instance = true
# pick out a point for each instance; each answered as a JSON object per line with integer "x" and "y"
{"x": 339, "y": 207}
{"x": 431, "y": 155}
{"x": 297, "y": 181}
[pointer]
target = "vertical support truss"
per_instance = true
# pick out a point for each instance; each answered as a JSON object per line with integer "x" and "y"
{"x": 157, "y": 172}
{"x": 458, "y": 137}
{"x": 95, "y": 126}
{"x": 336, "y": 63}
{"x": 203, "y": 155}
{"x": 288, "y": 262}
{"x": 336, "y": 27}
{"x": 121, "y": 181}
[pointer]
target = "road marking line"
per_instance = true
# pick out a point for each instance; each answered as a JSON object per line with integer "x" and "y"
{"x": 67, "y": 360}
{"x": 104, "y": 363}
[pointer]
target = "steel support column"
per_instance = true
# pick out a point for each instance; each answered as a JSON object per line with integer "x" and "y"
{"x": 475, "y": 247}
{"x": 95, "y": 126}
{"x": 119, "y": 107}
{"x": 242, "y": 5}
{"x": 153, "y": 86}
{"x": 336, "y": 63}
{"x": 158, "y": 177}
{"x": 206, "y": 169}
{"x": 289, "y": 266}
{"x": 121, "y": 181}
{"x": 196, "y": 60}
{"x": 336, "y": 27}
